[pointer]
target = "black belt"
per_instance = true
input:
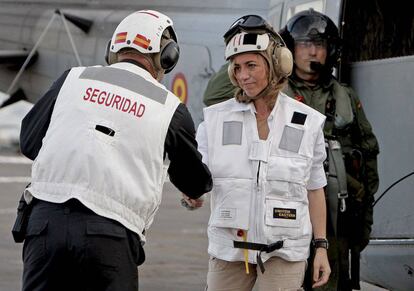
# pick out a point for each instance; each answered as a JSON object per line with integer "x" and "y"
{"x": 258, "y": 247}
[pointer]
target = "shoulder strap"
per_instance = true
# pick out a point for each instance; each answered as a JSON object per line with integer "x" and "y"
{"x": 337, "y": 187}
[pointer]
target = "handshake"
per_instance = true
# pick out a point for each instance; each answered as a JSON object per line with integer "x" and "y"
{"x": 191, "y": 204}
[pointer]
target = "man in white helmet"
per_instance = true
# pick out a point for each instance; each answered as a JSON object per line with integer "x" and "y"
{"x": 265, "y": 152}
{"x": 103, "y": 139}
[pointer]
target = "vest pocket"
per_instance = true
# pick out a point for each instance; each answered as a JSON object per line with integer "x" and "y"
{"x": 104, "y": 238}
{"x": 287, "y": 169}
{"x": 283, "y": 218}
{"x": 231, "y": 203}
{"x": 35, "y": 244}
{"x": 103, "y": 132}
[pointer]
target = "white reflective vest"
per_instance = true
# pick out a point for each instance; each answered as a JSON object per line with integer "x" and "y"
{"x": 105, "y": 144}
{"x": 260, "y": 186}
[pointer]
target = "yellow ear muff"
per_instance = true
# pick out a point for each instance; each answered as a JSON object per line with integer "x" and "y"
{"x": 283, "y": 60}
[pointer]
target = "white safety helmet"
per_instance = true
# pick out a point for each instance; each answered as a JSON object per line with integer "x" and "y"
{"x": 246, "y": 42}
{"x": 149, "y": 32}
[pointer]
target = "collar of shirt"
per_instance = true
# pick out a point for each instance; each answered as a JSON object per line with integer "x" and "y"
{"x": 239, "y": 106}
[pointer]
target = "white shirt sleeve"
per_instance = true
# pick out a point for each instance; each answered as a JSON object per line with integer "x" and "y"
{"x": 201, "y": 137}
{"x": 317, "y": 176}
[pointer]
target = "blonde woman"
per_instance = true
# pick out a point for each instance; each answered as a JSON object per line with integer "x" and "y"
{"x": 265, "y": 151}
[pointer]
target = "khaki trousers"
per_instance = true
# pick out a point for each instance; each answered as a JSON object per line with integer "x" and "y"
{"x": 280, "y": 275}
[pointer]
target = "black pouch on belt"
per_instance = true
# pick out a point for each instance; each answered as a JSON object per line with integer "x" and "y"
{"x": 20, "y": 225}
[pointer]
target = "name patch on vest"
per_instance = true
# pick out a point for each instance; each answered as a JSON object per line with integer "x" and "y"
{"x": 227, "y": 213}
{"x": 284, "y": 213}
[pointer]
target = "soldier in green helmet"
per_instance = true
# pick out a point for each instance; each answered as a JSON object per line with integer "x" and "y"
{"x": 352, "y": 147}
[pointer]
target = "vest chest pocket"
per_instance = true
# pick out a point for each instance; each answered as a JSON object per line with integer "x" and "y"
{"x": 283, "y": 218}
{"x": 287, "y": 169}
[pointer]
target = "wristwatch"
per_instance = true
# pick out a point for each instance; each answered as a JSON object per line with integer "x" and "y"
{"x": 320, "y": 243}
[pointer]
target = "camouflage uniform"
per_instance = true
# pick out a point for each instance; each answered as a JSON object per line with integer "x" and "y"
{"x": 360, "y": 150}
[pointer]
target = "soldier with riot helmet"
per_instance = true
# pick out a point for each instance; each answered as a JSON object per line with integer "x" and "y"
{"x": 351, "y": 145}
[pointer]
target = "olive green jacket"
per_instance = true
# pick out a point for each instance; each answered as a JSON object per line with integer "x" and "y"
{"x": 359, "y": 145}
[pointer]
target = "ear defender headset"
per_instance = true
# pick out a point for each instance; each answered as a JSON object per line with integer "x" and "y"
{"x": 251, "y": 33}
{"x": 168, "y": 56}
{"x": 110, "y": 58}
{"x": 282, "y": 58}
{"x": 139, "y": 31}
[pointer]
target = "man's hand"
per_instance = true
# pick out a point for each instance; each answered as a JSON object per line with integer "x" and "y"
{"x": 321, "y": 269}
{"x": 192, "y": 204}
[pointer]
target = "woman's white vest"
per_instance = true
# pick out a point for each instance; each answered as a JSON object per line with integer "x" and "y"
{"x": 260, "y": 186}
{"x": 105, "y": 144}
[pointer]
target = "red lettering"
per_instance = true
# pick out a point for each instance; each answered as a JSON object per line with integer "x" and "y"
{"x": 101, "y": 97}
{"x": 116, "y": 101}
{"x": 122, "y": 103}
{"x": 141, "y": 110}
{"x": 133, "y": 108}
{"x": 126, "y": 105}
{"x": 109, "y": 101}
{"x": 88, "y": 94}
{"x": 94, "y": 94}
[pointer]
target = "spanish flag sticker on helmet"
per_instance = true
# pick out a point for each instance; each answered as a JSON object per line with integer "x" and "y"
{"x": 121, "y": 37}
{"x": 142, "y": 41}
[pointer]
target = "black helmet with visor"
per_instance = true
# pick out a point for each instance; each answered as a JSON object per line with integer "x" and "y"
{"x": 310, "y": 25}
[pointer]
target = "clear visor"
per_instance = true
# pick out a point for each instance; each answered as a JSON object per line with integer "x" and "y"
{"x": 309, "y": 27}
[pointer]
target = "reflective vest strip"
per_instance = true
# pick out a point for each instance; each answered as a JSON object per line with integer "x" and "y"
{"x": 126, "y": 80}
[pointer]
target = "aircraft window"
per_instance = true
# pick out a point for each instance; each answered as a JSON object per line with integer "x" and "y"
{"x": 275, "y": 15}
{"x": 377, "y": 29}
{"x": 317, "y": 5}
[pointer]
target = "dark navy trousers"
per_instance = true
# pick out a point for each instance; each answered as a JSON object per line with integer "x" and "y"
{"x": 69, "y": 247}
